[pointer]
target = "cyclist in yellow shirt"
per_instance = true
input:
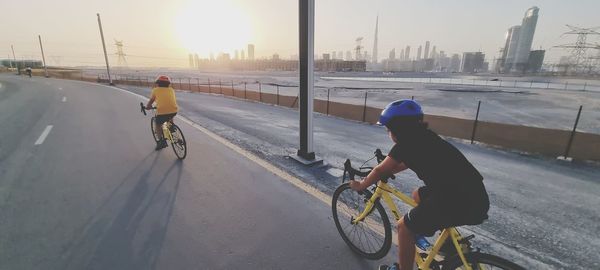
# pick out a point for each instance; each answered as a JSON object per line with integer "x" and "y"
{"x": 166, "y": 106}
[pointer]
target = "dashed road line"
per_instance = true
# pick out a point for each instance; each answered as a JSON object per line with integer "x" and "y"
{"x": 44, "y": 134}
{"x": 64, "y": 99}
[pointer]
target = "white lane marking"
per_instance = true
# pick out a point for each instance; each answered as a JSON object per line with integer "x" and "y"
{"x": 43, "y": 136}
{"x": 0, "y": 85}
{"x": 60, "y": 88}
{"x": 64, "y": 99}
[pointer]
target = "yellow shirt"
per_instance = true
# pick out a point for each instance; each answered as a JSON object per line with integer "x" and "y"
{"x": 165, "y": 100}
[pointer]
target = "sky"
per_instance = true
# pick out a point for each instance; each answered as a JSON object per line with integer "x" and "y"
{"x": 162, "y": 33}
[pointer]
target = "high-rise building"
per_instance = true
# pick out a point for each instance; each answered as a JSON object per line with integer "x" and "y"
{"x": 276, "y": 57}
{"x": 236, "y": 55}
{"x": 348, "y": 56}
{"x": 455, "y": 63}
{"x": 419, "y": 52}
{"x": 433, "y": 53}
{"x": 526, "y": 38}
{"x": 196, "y": 61}
{"x": 243, "y": 55}
{"x": 473, "y": 62}
{"x": 375, "y": 42}
{"x": 191, "y": 59}
{"x": 392, "y": 54}
{"x": 515, "y": 55}
{"x": 250, "y": 51}
{"x": 326, "y": 56}
{"x": 212, "y": 56}
{"x": 510, "y": 48}
{"x": 402, "y": 54}
{"x": 407, "y": 53}
{"x": 536, "y": 59}
{"x": 426, "y": 55}
{"x": 340, "y": 55}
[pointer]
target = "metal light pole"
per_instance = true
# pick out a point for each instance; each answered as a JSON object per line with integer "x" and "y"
{"x": 104, "y": 47}
{"x": 307, "y": 33}
{"x": 43, "y": 57}
{"x": 15, "y": 58}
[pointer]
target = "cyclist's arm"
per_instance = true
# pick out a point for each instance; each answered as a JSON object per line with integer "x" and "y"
{"x": 387, "y": 167}
{"x": 150, "y": 102}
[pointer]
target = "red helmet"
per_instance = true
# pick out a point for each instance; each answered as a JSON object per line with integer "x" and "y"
{"x": 163, "y": 78}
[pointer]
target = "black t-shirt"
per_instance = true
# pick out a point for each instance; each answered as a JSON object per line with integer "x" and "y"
{"x": 442, "y": 167}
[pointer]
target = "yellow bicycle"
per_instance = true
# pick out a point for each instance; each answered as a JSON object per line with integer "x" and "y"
{"x": 364, "y": 225}
{"x": 171, "y": 132}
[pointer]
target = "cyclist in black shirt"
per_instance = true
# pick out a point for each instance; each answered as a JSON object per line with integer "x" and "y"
{"x": 453, "y": 194}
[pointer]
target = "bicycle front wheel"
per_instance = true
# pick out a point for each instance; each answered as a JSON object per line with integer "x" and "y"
{"x": 153, "y": 129}
{"x": 481, "y": 261}
{"x": 179, "y": 145}
{"x": 372, "y": 237}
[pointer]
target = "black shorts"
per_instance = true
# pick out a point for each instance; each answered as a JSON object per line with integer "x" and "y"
{"x": 162, "y": 118}
{"x": 468, "y": 207}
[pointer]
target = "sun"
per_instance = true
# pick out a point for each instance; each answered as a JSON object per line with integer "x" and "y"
{"x": 206, "y": 27}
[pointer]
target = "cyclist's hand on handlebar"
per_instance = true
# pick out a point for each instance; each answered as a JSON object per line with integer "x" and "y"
{"x": 356, "y": 185}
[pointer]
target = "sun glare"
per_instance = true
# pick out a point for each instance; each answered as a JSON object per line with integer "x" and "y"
{"x": 206, "y": 27}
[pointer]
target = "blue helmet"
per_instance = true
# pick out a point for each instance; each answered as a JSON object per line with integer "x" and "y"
{"x": 404, "y": 107}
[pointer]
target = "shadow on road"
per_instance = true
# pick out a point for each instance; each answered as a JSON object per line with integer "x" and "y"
{"x": 129, "y": 228}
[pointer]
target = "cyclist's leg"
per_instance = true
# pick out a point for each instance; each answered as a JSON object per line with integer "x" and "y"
{"x": 406, "y": 246}
{"x": 159, "y": 120}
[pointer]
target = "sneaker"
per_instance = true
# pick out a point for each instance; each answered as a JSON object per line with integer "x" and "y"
{"x": 394, "y": 266}
{"x": 161, "y": 144}
{"x": 422, "y": 244}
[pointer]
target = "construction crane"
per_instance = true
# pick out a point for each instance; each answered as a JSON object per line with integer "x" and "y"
{"x": 358, "y": 48}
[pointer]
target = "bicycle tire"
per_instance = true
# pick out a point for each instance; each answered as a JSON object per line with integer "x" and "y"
{"x": 178, "y": 144}
{"x": 477, "y": 259}
{"x": 379, "y": 251}
{"x": 152, "y": 125}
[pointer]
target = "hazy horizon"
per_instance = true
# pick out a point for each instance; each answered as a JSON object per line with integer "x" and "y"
{"x": 158, "y": 34}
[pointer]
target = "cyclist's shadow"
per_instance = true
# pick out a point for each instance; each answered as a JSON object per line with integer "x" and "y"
{"x": 133, "y": 236}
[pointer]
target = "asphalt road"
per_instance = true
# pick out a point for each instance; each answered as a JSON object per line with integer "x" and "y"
{"x": 93, "y": 193}
{"x": 544, "y": 213}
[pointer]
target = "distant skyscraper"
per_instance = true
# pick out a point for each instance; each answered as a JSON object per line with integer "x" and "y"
{"x": 392, "y": 54}
{"x": 426, "y": 55}
{"x": 212, "y": 56}
{"x": 196, "y": 61}
{"x": 375, "y": 42}
{"x": 191, "y": 59}
{"x": 333, "y": 55}
{"x": 236, "y": 55}
{"x": 402, "y": 54}
{"x": 510, "y": 47}
{"x": 340, "y": 55}
{"x": 455, "y": 63}
{"x": 250, "y": 51}
{"x": 243, "y": 55}
{"x": 419, "y": 52}
{"x": 407, "y": 53}
{"x": 326, "y": 56}
{"x": 473, "y": 62}
{"x": 433, "y": 53}
{"x": 348, "y": 56}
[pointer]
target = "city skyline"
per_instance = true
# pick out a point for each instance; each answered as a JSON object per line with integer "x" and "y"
{"x": 160, "y": 38}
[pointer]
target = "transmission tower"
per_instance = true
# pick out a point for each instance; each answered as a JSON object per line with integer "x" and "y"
{"x": 579, "y": 59}
{"x": 120, "y": 54}
{"x": 358, "y": 48}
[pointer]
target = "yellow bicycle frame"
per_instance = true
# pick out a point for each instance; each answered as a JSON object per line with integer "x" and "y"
{"x": 383, "y": 191}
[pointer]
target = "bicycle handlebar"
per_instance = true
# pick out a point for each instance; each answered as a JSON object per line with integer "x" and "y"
{"x": 352, "y": 172}
{"x": 143, "y": 108}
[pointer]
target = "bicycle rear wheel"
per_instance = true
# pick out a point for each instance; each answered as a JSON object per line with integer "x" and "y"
{"x": 179, "y": 145}
{"x": 481, "y": 261}
{"x": 370, "y": 238}
{"x": 153, "y": 129}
